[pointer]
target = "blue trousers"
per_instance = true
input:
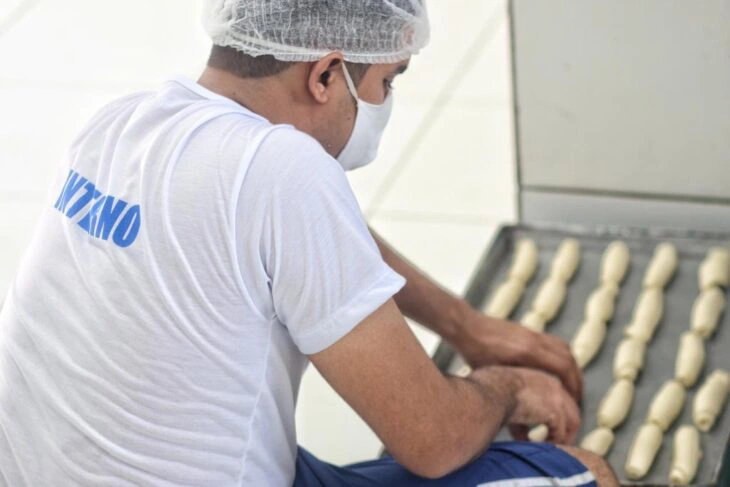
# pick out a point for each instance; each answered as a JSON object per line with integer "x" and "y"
{"x": 504, "y": 464}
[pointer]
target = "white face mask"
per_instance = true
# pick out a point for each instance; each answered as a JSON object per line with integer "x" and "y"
{"x": 370, "y": 122}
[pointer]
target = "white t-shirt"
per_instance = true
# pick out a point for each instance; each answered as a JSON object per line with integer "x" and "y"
{"x": 190, "y": 255}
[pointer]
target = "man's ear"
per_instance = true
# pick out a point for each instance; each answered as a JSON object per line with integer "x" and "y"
{"x": 322, "y": 76}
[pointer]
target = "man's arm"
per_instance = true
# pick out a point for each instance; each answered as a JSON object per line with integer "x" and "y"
{"x": 481, "y": 340}
{"x": 433, "y": 424}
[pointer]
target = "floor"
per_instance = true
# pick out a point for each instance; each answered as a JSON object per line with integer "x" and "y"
{"x": 444, "y": 181}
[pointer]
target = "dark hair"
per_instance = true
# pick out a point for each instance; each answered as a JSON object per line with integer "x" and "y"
{"x": 245, "y": 66}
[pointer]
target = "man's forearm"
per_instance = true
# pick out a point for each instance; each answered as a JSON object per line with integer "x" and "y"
{"x": 482, "y": 403}
{"x": 424, "y": 301}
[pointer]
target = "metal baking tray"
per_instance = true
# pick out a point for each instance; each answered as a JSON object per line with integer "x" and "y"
{"x": 598, "y": 376}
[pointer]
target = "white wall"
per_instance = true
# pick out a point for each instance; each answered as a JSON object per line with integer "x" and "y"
{"x": 624, "y": 98}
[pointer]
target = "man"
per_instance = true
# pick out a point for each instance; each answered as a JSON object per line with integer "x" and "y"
{"x": 201, "y": 245}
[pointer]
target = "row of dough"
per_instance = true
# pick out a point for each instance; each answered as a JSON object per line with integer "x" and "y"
{"x": 714, "y": 271}
{"x": 549, "y": 300}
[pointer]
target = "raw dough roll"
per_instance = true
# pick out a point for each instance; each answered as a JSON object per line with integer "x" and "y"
{"x": 524, "y": 263}
{"x": 662, "y": 266}
{"x": 710, "y": 400}
{"x": 690, "y": 359}
{"x": 629, "y": 359}
{"x": 566, "y": 260}
{"x": 715, "y": 269}
{"x": 549, "y": 298}
{"x": 666, "y": 405}
{"x": 600, "y": 305}
{"x": 610, "y": 287}
{"x": 686, "y": 455}
{"x": 615, "y": 262}
{"x": 464, "y": 371}
{"x": 643, "y": 451}
{"x": 533, "y": 321}
{"x": 647, "y": 314}
{"x": 706, "y": 311}
{"x": 616, "y": 404}
{"x": 505, "y": 298}
{"x": 587, "y": 341}
{"x": 598, "y": 441}
{"x": 538, "y": 434}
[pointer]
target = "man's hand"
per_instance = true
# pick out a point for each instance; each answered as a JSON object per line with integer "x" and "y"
{"x": 480, "y": 340}
{"x": 432, "y": 424}
{"x": 490, "y": 341}
{"x": 541, "y": 400}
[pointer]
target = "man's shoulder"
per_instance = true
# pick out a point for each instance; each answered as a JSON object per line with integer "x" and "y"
{"x": 288, "y": 151}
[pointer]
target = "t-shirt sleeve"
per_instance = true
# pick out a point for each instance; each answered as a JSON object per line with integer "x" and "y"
{"x": 326, "y": 273}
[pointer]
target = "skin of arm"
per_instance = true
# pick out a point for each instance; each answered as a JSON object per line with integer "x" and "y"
{"x": 431, "y": 423}
{"x": 481, "y": 340}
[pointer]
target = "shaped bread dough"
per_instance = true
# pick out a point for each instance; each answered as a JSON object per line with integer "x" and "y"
{"x": 587, "y": 341}
{"x": 600, "y": 305}
{"x": 566, "y": 260}
{"x": 706, "y": 311}
{"x": 710, "y": 400}
{"x": 629, "y": 359}
{"x": 647, "y": 314}
{"x": 525, "y": 260}
{"x": 666, "y": 405}
{"x": 598, "y": 441}
{"x": 610, "y": 287}
{"x": 715, "y": 269}
{"x": 616, "y": 404}
{"x": 538, "y": 434}
{"x": 643, "y": 451}
{"x": 686, "y": 455}
{"x": 549, "y": 298}
{"x": 615, "y": 262}
{"x": 464, "y": 371}
{"x": 662, "y": 266}
{"x": 690, "y": 359}
{"x": 533, "y": 321}
{"x": 505, "y": 298}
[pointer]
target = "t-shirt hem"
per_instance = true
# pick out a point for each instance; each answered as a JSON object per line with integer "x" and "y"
{"x": 351, "y": 314}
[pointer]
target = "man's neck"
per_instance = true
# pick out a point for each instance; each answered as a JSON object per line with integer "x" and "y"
{"x": 269, "y": 97}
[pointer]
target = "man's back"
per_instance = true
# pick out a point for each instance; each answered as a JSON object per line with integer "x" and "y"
{"x": 133, "y": 347}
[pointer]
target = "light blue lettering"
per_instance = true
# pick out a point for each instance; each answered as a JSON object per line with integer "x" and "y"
{"x": 88, "y": 222}
{"x": 69, "y": 191}
{"x": 91, "y": 193}
{"x": 128, "y": 229}
{"x": 108, "y": 218}
{"x": 63, "y": 190}
{"x": 103, "y": 217}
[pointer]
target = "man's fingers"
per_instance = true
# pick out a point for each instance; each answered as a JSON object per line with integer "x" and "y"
{"x": 560, "y": 361}
{"x": 564, "y": 367}
{"x": 556, "y": 426}
{"x": 572, "y": 420}
{"x": 518, "y": 431}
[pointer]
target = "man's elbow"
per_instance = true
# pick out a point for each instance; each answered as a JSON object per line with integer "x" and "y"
{"x": 426, "y": 468}
{"x": 432, "y": 462}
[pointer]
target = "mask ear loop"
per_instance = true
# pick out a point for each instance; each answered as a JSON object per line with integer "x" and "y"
{"x": 348, "y": 80}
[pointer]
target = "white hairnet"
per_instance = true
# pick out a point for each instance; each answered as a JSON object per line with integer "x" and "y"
{"x": 365, "y": 31}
